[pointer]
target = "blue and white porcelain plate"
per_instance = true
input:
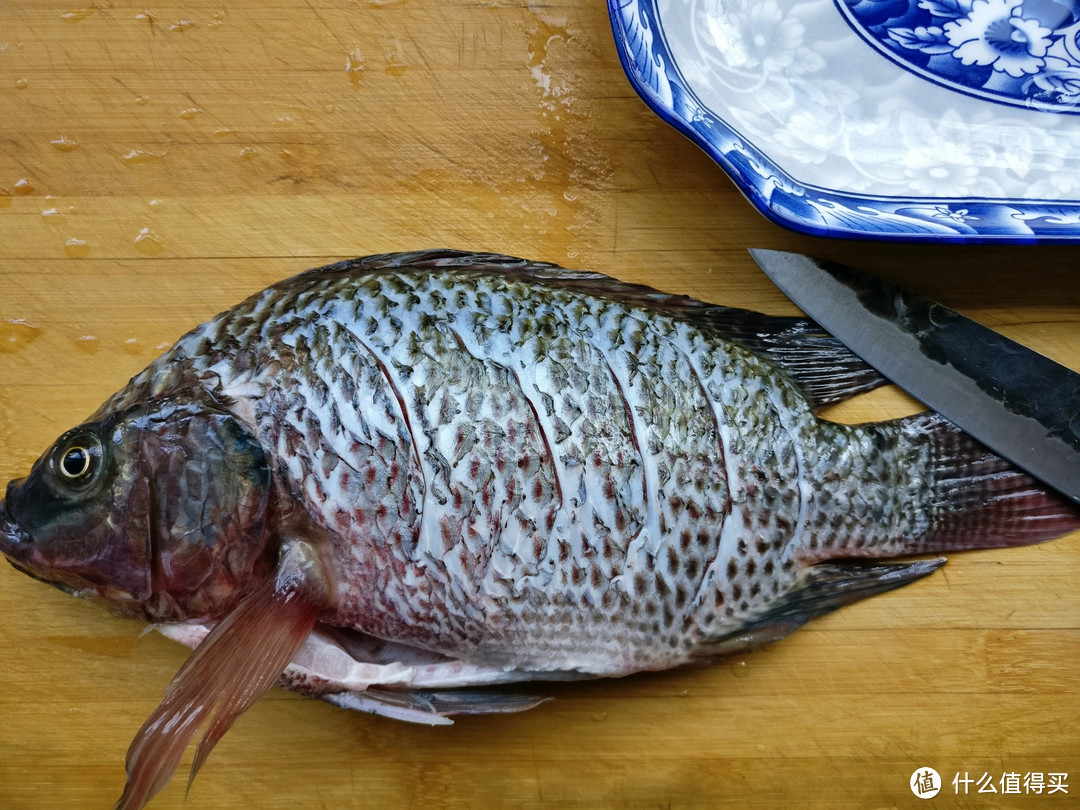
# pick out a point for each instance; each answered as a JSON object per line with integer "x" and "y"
{"x": 932, "y": 120}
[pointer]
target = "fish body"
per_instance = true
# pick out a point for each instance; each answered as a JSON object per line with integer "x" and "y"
{"x": 524, "y": 474}
{"x": 442, "y": 470}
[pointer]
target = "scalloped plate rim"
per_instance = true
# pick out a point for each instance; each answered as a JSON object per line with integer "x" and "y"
{"x": 839, "y": 214}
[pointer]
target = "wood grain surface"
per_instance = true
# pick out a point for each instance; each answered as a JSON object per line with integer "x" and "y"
{"x": 158, "y": 163}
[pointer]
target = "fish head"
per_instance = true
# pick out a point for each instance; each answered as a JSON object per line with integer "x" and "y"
{"x": 159, "y": 511}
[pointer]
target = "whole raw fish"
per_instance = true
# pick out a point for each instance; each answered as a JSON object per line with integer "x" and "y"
{"x": 390, "y": 477}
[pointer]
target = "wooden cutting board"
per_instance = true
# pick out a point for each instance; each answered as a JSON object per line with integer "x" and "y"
{"x": 157, "y": 165}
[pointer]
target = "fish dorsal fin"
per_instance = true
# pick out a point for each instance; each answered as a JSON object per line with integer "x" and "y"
{"x": 234, "y": 665}
{"x": 823, "y": 368}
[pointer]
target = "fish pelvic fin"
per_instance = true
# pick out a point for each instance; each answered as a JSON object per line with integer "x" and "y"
{"x": 822, "y": 589}
{"x": 977, "y": 499}
{"x": 432, "y": 707}
{"x": 237, "y": 662}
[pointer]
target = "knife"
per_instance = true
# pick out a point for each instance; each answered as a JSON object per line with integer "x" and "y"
{"x": 1017, "y": 402}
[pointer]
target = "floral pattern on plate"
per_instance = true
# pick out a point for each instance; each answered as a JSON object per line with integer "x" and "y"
{"x": 1022, "y": 52}
{"x": 826, "y": 135}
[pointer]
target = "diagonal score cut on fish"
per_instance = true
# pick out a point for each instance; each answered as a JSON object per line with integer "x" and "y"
{"x": 394, "y": 481}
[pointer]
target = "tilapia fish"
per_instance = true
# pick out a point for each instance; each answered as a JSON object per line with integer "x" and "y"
{"x": 393, "y": 481}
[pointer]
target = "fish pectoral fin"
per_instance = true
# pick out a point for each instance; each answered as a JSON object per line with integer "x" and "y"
{"x": 432, "y": 708}
{"x": 234, "y": 665}
{"x": 824, "y": 588}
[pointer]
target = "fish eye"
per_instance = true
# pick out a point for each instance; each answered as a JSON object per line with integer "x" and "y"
{"x": 79, "y": 459}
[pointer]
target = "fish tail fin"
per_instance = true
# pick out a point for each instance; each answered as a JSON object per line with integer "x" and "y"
{"x": 234, "y": 665}
{"x": 979, "y": 500}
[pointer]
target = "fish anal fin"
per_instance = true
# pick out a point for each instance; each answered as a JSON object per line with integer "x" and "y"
{"x": 236, "y": 663}
{"x": 824, "y": 588}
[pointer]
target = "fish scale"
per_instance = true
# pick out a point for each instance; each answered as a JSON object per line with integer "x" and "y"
{"x": 599, "y": 452}
{"x": 501, "y": 559}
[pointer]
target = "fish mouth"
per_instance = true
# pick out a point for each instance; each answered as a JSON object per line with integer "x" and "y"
{"x": 12, "y": 536}
{"x": 14, "y": 540}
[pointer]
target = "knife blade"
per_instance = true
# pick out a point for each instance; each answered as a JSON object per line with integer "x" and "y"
{"x": 1019, "y": 403}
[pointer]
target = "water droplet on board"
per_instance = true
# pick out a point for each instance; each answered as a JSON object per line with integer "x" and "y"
{"x": 21, "y": 83}
{"x": 248, "y": 153}
{"x": 65, "y": 144}
{"x": 148, "y": 243}
{"x": 145, "y": 15}
{"x": 565, "y": 163}
{"x": 53, "y": 215}
{"x": 5, "y": 197}
{"x": 87, "y": 343}
{"x": 395, "y": 59}
{"x": 189, "y": 113}
{"x": 224, "y": 132}
{"x": 218, "y": 19}
{"x": 24, "y": 187}
{"x": 739, "y": 670}
{"x": 354, "y": 66}
{"x": 15, "y": 333}
{"x": 142, "y": 99}
{"x": 75, "y": 15}
{"x": 141, "y": 156}
{"x": 77, "y": 248}
{"x": 182, "y": 25}
{"x": 329, "y": 109}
